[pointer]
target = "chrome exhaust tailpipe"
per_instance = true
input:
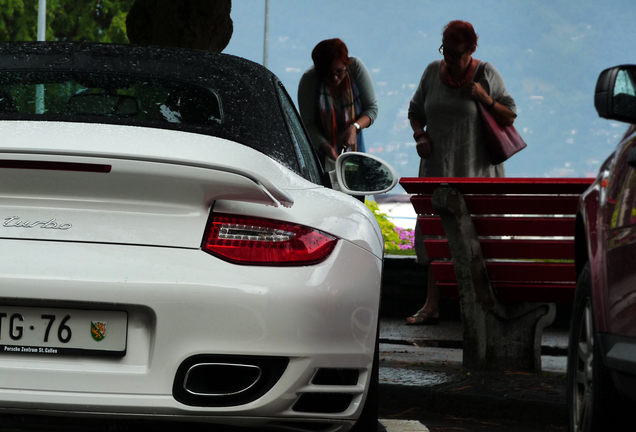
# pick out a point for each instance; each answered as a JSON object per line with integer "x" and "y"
{"x": 220, "y": 379}
{"x": 216, "y": 380}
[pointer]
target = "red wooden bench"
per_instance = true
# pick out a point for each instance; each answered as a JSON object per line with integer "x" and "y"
{"x": 506, "y": 240}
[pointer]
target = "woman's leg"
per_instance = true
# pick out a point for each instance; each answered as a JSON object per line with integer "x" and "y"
{"x": 429, "y": 314}
{"x": 432, "y": 295}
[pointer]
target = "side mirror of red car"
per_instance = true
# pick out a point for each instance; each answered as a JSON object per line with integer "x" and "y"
{"x": 615, "y": 95}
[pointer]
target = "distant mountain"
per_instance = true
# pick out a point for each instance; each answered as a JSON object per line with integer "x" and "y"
{"x": 550, "y": 54}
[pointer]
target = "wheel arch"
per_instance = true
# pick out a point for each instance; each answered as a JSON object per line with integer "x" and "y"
{"x": 581, "y": 255}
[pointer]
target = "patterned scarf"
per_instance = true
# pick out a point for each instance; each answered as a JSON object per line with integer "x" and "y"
{"x": 351, "y": 108}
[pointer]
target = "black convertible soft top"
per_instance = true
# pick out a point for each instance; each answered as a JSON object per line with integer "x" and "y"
{"x": 248, "y": 93}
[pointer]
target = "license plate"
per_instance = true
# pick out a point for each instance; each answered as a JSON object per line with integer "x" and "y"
{"x": 52, "y": 331}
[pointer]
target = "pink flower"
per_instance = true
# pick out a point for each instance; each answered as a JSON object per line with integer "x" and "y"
{"x": 407, "y": 238}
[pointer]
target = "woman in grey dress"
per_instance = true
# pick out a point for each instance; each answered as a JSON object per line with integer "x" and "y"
{"x": 453, "y": 144}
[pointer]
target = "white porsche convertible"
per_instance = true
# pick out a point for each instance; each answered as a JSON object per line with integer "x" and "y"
{"x": 172, "y": 249}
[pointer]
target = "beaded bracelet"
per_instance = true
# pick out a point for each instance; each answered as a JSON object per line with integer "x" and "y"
{"x": 492, "y": 105}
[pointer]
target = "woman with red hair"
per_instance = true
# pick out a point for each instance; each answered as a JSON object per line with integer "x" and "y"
{"x": 454, "y": 144}
{"x": 336, "y": 100}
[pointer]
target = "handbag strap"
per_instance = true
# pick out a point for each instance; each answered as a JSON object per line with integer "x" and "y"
{"x": 479, "y": 72}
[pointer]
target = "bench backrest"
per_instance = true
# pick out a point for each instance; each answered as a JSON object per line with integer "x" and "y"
{"x": 525, "y": 228}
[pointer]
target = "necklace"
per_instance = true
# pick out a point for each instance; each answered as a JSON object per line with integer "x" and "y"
{"x": 452, "y": 84}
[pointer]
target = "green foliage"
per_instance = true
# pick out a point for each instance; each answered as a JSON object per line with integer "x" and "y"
{"x": 66, "y": 20}
{"x": 397, "y": 251}
{"x": 394, "y": 244}
{"x": 387, "y": 227}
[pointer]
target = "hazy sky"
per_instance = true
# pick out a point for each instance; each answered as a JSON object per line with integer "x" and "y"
{"x": 549, "y": 53}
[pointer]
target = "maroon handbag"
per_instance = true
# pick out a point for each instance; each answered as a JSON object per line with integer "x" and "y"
{"x": 502, "y": 141}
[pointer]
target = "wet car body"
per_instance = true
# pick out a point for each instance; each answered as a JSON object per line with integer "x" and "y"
{"x": 602, "y": 356}
{"x": 171, "y": 247}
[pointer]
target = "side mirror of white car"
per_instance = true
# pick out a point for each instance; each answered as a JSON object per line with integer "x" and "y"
{"x": 362, "y": 174}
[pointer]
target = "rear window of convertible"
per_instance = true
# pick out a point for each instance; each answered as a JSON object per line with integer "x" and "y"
{"x": 232, "y": 102}
{"x": 109, "y": 97}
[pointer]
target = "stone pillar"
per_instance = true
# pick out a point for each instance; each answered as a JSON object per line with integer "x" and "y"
{"x": 497, "y": 336}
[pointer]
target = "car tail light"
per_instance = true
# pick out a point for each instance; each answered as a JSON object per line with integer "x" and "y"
{"x": 258, "y": 241}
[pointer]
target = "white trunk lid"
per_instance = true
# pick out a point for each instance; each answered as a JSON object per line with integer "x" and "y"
{"x": 154, "y": 193}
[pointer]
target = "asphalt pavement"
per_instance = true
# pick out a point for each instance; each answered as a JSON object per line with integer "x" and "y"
{"x": 423, "y": 385}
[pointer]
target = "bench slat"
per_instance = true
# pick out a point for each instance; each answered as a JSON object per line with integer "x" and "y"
{"x": 526, "y": 249}
{"x": 510, "y": 185}
{"x": 507, "y": 226}
{"x": 513, "y": 272}
{"x": 559, "y": 293}
{"x": 493, "y": 204}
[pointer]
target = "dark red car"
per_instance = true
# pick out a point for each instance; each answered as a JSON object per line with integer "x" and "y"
{"x": 601, "y": 390}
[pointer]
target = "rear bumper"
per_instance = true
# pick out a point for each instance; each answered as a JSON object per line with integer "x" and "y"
{"x": 184, "y": 303}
